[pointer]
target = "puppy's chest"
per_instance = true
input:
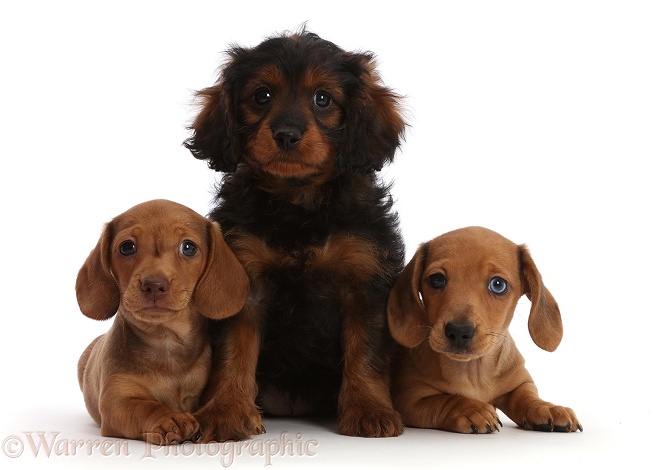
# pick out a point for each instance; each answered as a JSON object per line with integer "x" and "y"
{"x": 338, "y": 257}
{"x": 482, "y": 379}
{"x": 179, "y": 384}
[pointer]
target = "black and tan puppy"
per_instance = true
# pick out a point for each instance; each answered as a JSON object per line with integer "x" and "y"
{"x": 299, "y": 128}
{"x": 450, "y": 310}
{"x": 162, "y": 270}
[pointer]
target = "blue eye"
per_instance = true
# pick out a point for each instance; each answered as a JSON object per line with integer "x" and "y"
{"x": 437, "y": 281}
{"x": 127, "y": 248}
{"x": 188, "y": 248}
{"x": 498, "y": 286}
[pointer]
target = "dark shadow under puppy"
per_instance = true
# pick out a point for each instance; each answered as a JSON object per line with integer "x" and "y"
{"x": 299, "y": 128}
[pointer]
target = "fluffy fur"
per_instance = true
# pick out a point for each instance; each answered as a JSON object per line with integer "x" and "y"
{"x": 299, "y": 127}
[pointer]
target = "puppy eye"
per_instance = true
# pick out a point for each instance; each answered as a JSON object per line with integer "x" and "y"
{"x": 127, "y": 248}
{"x": 188, "y": 248}
{"x": 262, "y": 96}
{"x": 498, "y": 286}
{"x": 437, "y": 281}
{"x": 321, "y": 99}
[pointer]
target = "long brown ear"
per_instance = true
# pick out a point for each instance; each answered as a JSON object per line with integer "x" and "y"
{"x": 544, "y": 321}
{"x": 98, "y": 295}
{"x": 223, "y": 288}
{"x": 406, "y": 312}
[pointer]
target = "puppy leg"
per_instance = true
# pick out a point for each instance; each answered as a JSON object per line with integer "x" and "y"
{"x": 87, "y": 377}
{"x": 453, "y": 413}
{"x": 365, "y": 406}
{"x": 524, "y": 406}
{"x": 229, "y": 411}
{"x": 130, "y": 410}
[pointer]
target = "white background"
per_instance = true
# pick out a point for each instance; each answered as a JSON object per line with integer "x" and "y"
{"x": 534, "y": 119}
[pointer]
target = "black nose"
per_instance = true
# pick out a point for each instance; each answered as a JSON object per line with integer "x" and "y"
{"x": 287, "y": 138}
{"x": 459, "y": 334}
{"x": 154, "y": 287}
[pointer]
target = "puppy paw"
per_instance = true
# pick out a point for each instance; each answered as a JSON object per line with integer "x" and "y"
{"x": 551, "y": 418}
{"x": 173, "y": 428}
{"x": 362, "y": 422}
{"x": 472, "y": 417}
{"x": 230, "y": 423}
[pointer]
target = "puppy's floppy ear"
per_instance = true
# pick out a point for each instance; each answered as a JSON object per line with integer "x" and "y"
{"x": 544, "y": 321}
{"x": 215, "y": 137}
{"x": 374, "y": 123}
{"x": 406, "y": 312}
{"x": 223, "y": 288}
{"x": 98, "y": 294}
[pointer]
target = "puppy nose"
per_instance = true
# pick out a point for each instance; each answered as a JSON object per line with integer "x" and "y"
{"x": 154, "y": 287}
{"x": 459, "y": 334}
{"x": 287, "y": 138}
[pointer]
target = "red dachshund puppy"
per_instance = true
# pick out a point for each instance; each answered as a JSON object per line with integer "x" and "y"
{"x": 299, "y": 127}
{"x": 162, "y": 270}
{"x": 450, "y": 310}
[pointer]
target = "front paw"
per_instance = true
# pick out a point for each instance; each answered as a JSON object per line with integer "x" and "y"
{"x": 470, "y": 416}
{"x": 547, "y": 417}
{"x": 363, "y": 422}
{"x": 230, "y": 423}
{"x": 173, "y": 428}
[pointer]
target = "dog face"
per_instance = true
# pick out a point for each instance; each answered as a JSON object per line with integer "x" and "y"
{"x": 297, "y": 108}
{"x": 158, "y": 259}
{"x": 460, "y": 291}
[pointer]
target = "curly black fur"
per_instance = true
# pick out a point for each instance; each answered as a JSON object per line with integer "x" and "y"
{"x": 302, "y": 350}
